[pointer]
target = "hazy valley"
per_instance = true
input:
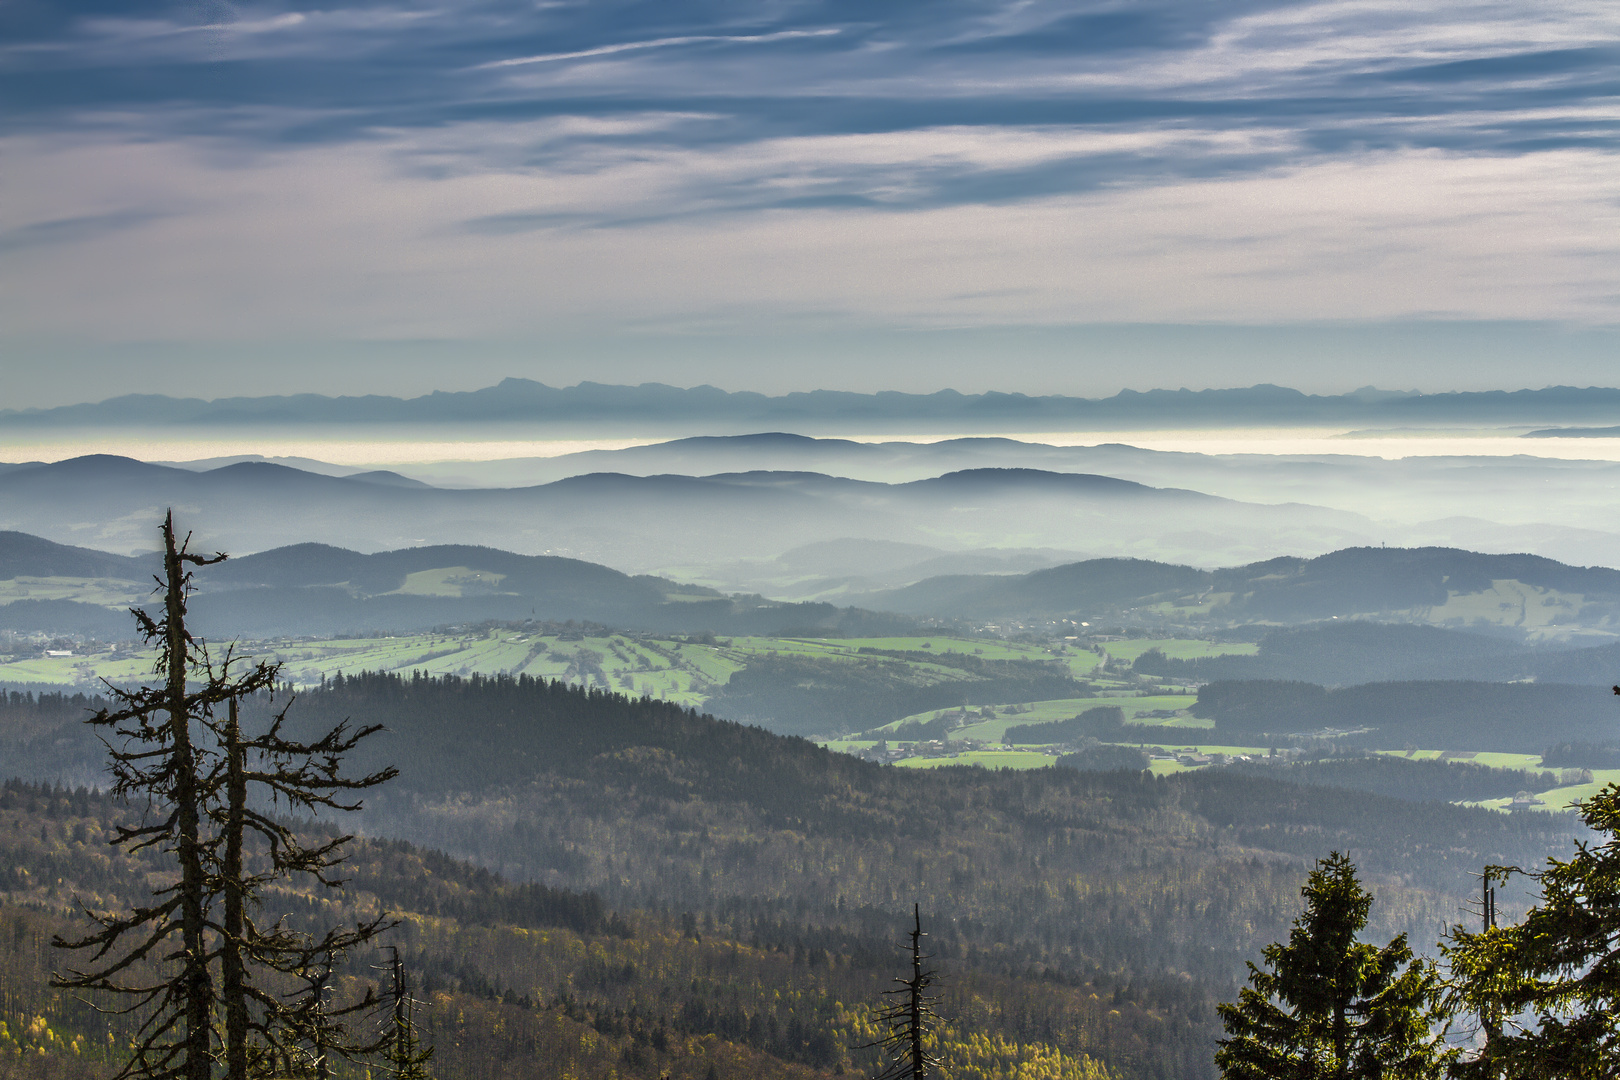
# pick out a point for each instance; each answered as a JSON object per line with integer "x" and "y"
{"x": 684, "y": 729}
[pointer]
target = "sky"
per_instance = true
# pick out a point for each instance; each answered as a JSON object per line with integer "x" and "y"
{"x": 1048, "y": 197}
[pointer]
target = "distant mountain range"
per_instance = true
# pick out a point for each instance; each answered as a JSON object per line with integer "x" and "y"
{"x": 684, "y": 527}
{"x": 1552, "y": 506}
{"x": 669, "y": 408}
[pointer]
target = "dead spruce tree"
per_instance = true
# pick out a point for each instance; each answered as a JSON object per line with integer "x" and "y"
{"x": 909, "y": 1017}
{"x": 405, "y": 1058}
{"x": 297, "y": 776}
{"x": 154, "y": 755}
{"x": 169, "y": 749}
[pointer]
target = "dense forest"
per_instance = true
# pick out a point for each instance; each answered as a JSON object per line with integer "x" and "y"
{"x": 1098, "y": 722}
{"x": 670, "y": 882}
{"x": 1352, "y": 651}
{"x": 1510, "y": 717}
{"x": 1425, "y": 780}
{"x": 524, "y": 980}
{"x": 807, "y": 696}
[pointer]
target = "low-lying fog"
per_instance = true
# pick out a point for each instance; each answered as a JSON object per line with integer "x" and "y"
{"x": 1487, "y": 490}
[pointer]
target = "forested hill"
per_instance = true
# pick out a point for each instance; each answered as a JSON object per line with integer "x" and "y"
{"x": 319, "y": 589}
{"x": 645, "y": 799}
{"x": 1521, "y": 718}
{"x": 652, "y": 803}
{"x": 1352, "y": 651}
{"x": 525, "y": 982}
{"x": 31, "y": 556}
{"x": 1152, "y": 882}
{"x": 1356, "y": 581}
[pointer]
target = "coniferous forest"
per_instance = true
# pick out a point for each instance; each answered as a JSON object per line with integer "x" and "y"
{"x": 590, "y": 883}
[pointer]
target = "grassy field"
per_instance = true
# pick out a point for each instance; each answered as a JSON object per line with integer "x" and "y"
{"x": 108, "y": 592}
{"x": 77, "y": 670}
{"x": 839, "y": 649}
{"x": 451, "y": 581}
{"x": 1039, "y": 712}
{"x": 689, "y": 672}
{"x": 673, "y": 669}
{"x": 1167, "y": 738}
{"x": 1080, "y": 661}
{"x": 1490, "y": 758}
{"x": 1541, "y": 613}
{"x": 989, "y": 759}
{"x": 1031, "y": 759}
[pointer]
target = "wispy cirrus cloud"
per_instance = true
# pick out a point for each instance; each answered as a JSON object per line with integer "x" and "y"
{"x": 77, "y": 229}
{"x": 453, "y": 150}
{"x": 659, "y": 43}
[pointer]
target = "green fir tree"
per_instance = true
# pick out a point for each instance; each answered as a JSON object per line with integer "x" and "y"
{"x": 1329, "y": 1007}
{"x": 1547, "y": 990}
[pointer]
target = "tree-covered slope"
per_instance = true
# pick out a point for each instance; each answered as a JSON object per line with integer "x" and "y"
{"x": 1511, "y": 717}
{"x": 1416, "y": 584}
{"x": 1141, "y": 894}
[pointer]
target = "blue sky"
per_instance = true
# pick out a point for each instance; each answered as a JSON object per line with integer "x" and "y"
{"x": 1029, "y": 195}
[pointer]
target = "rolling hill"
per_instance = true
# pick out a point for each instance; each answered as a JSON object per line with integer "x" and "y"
{"x": 317, "y": 589}
{"x": 1521, "y": 595}
{"x": 677, "y": 526}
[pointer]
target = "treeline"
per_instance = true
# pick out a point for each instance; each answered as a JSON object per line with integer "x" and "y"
{"x": 1581, "y": 755}
{"x": 809, "y": 696}
{"x": 1509, "y": 717}
{"x": 649, "y": 805}
{"x": 42, "y": 735}
{"x": 1426, "y": 780}
{"x": 1349, "y": 652}
{"x": 1099, "y": 881}
{"x": 1105, "y": 758}
{"x": 516, "y": 974}
{"x": 1353, "y": 651}
{"x": 25, "y": 714}
{"x": 1101, "y": 722}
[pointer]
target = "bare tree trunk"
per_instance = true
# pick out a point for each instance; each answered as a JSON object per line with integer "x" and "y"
{"x": 193, "y": 884}
{"x": 322, "y": 1068}
{"x": 233, "y": 977}
{"x": 910, "y": 1017}
{"x": 919, "y": 1060}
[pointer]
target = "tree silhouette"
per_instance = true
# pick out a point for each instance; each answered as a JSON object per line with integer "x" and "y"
{"x": 405, "y": 1056}
{"x": 196, "y": 771}
{"x": 1548, "y": 987}
{"x": 298, "y": 776}
{"x": 154, "y": 755}
{"x": 1328, "y": 1007}
{"x": 909, "y": 1017}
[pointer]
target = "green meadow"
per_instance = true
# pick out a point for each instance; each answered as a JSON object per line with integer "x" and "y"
{"x": 690, "y": 671}
{"x": 108, "y": 592}
{"x": 989, "y": 759}
{"x": 670, "y": 668}
{"x": 676, "y": 670}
